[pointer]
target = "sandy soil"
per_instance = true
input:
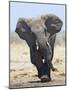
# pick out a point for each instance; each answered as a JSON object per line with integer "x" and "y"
{"x": 24, "y": 74}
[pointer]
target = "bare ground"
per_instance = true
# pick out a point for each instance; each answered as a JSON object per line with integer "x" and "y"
{"x": 24, "y": 74}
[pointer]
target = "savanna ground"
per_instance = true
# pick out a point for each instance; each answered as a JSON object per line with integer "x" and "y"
{"x": 24, "y": 74}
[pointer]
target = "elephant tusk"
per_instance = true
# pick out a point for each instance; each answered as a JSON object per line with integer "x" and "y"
{"x": 37, "y": 46}
{"x": 48, "y": 43}
{"x": 49, "y": 47}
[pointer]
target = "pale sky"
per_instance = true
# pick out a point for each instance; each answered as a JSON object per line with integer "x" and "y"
{"x": 29, "y": 10}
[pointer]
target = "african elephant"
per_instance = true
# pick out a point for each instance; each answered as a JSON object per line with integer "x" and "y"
{"x": 40, "y": 35}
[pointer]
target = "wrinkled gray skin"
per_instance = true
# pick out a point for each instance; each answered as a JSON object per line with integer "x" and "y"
{"x": 40, "y": 35}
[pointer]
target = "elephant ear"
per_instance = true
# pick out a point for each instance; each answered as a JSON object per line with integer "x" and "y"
{"x": 23, "y": 28}
{"x": 22, "y": 25}
{"x": 53, "y": 24}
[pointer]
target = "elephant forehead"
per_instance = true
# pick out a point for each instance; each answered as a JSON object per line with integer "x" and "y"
{"x": 37, "y": 26}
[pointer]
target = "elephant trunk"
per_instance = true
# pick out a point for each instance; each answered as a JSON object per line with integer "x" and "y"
{"x": 46, "y": 50}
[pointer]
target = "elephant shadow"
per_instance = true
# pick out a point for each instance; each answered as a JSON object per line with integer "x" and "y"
{"x": 38, "y": 81}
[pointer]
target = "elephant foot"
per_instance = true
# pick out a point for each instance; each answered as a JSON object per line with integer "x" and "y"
{"x": 45, "y": 78}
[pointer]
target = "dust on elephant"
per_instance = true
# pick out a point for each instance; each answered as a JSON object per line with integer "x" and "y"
{"x": 40, "y": 35}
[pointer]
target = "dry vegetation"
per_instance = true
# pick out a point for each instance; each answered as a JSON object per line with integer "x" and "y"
{"x": 24, "y": 74}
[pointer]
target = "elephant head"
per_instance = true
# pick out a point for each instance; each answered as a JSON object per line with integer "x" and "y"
{"x": 40, "y": 29}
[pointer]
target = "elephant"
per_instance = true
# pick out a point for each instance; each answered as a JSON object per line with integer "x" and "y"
{"x": 40, "y": 35}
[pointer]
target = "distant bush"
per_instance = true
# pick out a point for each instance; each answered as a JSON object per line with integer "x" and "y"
{"x": 60, "y": 38}
{"x": 14, "y": 38}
